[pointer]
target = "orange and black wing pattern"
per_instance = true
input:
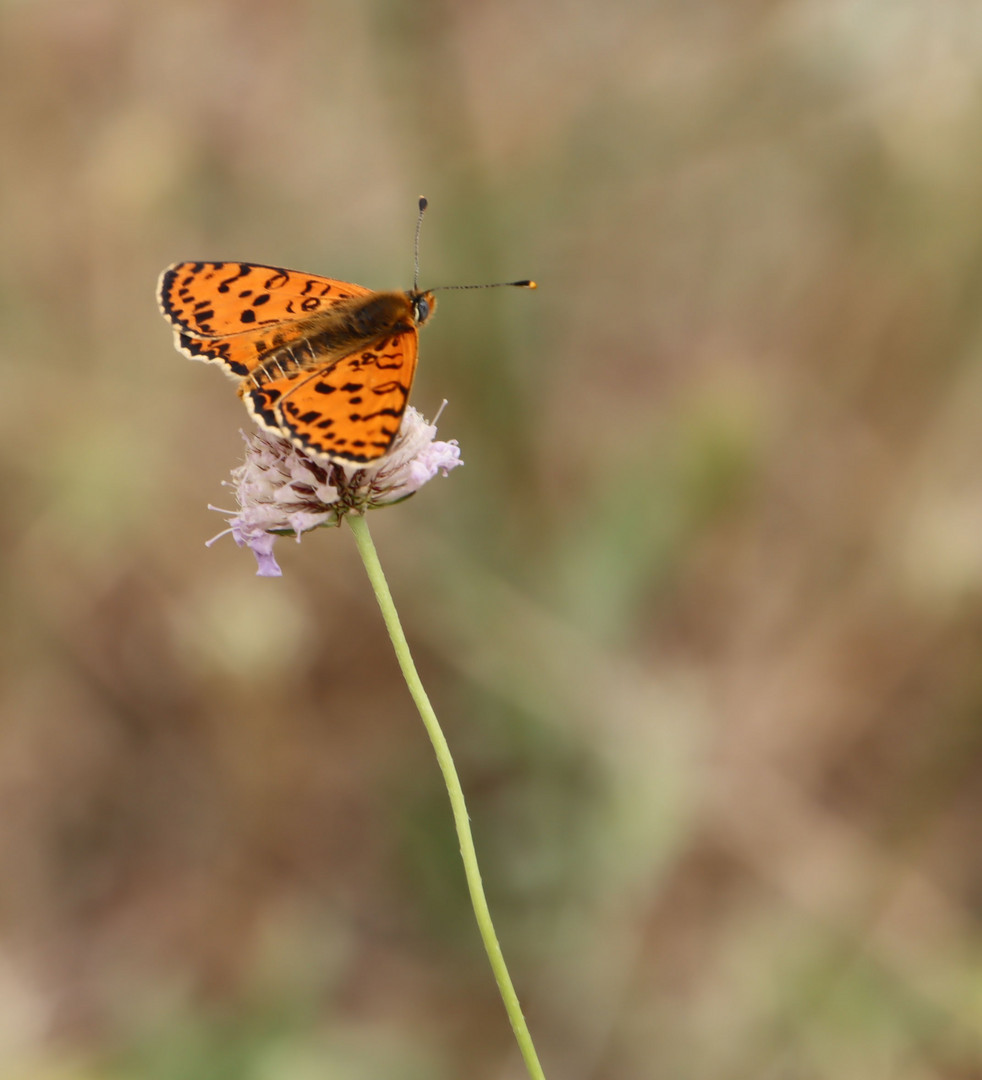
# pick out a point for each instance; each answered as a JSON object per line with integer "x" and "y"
{"x": 350, "y": 409}
{"x": 233, "y": 313}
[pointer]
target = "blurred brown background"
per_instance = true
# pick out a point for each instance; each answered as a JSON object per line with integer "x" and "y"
{"x": 702, "y": 615}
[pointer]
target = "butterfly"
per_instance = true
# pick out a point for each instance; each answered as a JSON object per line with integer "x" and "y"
{"x": 327, "y": 364}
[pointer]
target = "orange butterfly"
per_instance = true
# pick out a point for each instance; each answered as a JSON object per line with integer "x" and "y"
{"x": 327, "y": 364}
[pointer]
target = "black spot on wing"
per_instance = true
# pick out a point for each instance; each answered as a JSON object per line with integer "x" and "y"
{"x": 294, "y": 412}
{"x": 244, "y": 271}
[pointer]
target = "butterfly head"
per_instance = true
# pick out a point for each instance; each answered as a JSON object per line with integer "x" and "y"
{"x": 424, "y": 304}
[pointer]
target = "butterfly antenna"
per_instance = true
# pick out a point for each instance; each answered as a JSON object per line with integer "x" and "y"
{"x": 524, "y": 284}
{"x": 419, "y": 224}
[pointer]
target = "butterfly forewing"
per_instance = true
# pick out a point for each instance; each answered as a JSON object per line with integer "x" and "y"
{"x": 234, "y": 314}
{"x": 216, "y": 299}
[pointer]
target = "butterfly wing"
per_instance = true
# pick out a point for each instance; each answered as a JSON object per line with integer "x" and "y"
{"x": 348, "y": 411}
{"x": 234, "y": 313}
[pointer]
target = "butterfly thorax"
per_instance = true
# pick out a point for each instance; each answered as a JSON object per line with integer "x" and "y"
{"x": 361, "y": 322}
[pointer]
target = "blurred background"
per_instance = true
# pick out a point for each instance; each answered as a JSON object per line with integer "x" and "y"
{"x": 702, "y": 615}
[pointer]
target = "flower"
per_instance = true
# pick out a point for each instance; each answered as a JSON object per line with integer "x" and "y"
{"x": 281, "y": 491}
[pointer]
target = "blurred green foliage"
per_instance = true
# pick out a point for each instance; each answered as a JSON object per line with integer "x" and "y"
{"x": 702, "y": 615}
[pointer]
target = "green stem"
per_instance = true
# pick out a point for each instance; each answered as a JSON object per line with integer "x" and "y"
{"x": 370, "y": 558}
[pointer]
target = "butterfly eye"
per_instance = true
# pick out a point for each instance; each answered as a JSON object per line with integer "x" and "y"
{"x": 421, "y": 309}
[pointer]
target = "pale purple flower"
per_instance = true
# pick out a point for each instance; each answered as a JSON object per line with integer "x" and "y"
{"x": 281, "y": 491}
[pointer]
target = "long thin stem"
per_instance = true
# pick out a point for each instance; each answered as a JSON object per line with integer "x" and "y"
{"x": 370, "y": 558}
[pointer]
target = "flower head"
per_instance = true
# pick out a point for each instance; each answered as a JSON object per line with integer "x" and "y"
{"x": 281, "y": 491}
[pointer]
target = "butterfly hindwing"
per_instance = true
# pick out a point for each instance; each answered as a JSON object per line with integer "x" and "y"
{"x": 348, "y": 411}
